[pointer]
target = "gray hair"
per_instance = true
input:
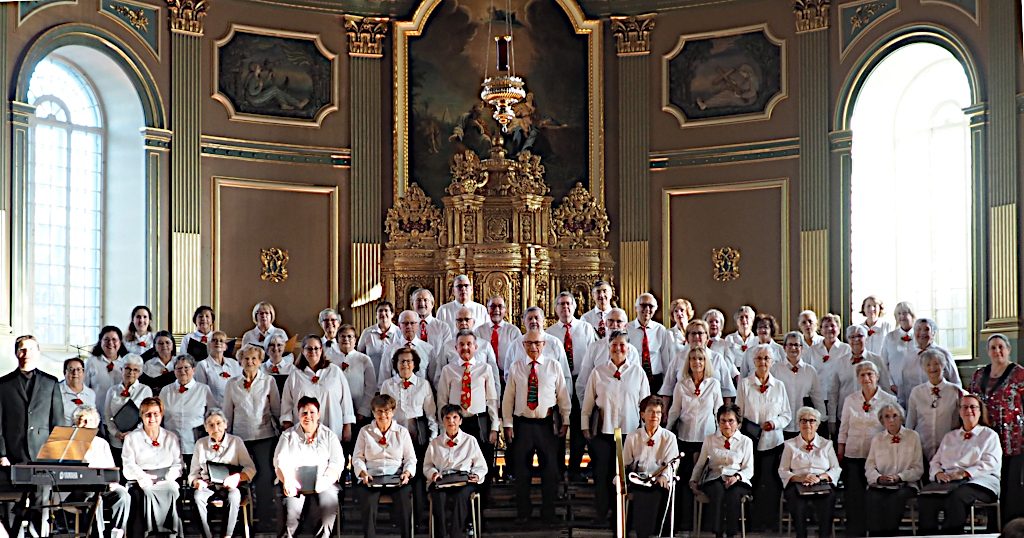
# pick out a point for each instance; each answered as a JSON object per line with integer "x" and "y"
{"x": 323, "y": 314}
{"x": 621, "y": 311}
{"x": 424, "y": 290}
{"x": 764, "y": 347}
{"x": 854, "y": 330}
{"x": 714, "y": 312}
{"x": 214, "y": 412}
{"x": 929, "y": 322}
{"x": 805, "y": 411}
{"x": 636, "y": 303}
{"x": 904, "y": 305}
{"x": 569, "y": 295}
{"x": 808, "y": 313}
{"x": 793, "y": 334}
{"x": 186, "y": 358}
{"x": 461, "y": 277}
{"x": 533, "y": 309}
{"x": 930, "y": 354}
{"x": 743, "y": 310}
{"x": 132, "y": 358}
{"x": 887, "y": 406}
{"x": 276, "y": 336}
{"x": 85, "y": 411}
{"x": 865, "y": 365}
{"x": 465, "y": 332}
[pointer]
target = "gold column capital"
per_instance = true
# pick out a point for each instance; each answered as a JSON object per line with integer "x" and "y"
{"x": 633, "y": 34}
{"x": 187, "y": 16}
{"x": 366, "y": 35}
{"x": 811, "y": 15}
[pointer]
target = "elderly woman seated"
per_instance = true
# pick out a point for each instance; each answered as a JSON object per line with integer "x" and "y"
{"x": 99, "y": 457}
{"x": 728, "y": 457}
{"x": 809, "y": 469}
{"x": 454, "y": 451}
{"x": 893, "y": 469}
{"x": 216, "y": 454}
{"x": 152, "y": 459}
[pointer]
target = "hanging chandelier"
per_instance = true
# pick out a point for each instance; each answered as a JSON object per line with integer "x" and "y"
{"x": 503, "y": 90}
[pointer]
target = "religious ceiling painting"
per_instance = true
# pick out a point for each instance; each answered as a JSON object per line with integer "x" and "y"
{"x": 273, "y": 76}
{"x": 724, "y": 77}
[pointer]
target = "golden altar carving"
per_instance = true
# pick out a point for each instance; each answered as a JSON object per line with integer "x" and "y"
{"x": 498, "y": 227}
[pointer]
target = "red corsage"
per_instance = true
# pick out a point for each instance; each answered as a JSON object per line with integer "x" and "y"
{"x": 825, "y": 358}
{"x": 247, "y": 384}
{"x": 203, "y": 339}
{"x": 216, "y": 448}
{"x": 406, "y": 384}
{"x": 866, "y": 406}
{"x": 743, "y": 347}
{"x": 451, "y": 443}
{"x": 124, "y": 393}
{"x": 906, "y": 338}
{"x": 764, "y": 388}
{"x": 650, "y": 442}
{"x": 935, "y": 390}
{"x": 383, "y": 441}
{"x": 856, "y": 360}
{"x": 142, "y": 344}
{"x": 309, "y": 440}
{"x": 182, "y": 389}
{"x": 809, "y": 447}
{"x": 78, "y": 401}
{"x": 225, "y": 375}
{"x": 275, "y": 370}
{"x": 795, "y": 370}
{"x": 727, "y": 445}
{"x": 316, "y": 379}
{"x": 895, "y": 439}
{"x": 110, "y": 367}
{"x": 344, "y": 367}
{"x": 967, "y": 436}
{"x": 696, "y": 392}
{"x": 166, "y": 371}
{"x": 871, "y": 332}
{"x": 156, "y": 443}
{"x": 618, "y": 374}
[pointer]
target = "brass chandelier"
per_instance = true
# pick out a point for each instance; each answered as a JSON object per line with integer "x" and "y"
{"x": 503, "y": 90}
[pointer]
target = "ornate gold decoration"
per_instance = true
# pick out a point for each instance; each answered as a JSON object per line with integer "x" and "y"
{"x": 727, "y": 263}
{"x": 811, "y": 15}
{"x": 187, "y": 16}
{"x": 864, "y": 13}
{"x": 274, "y": 261}
{"x": 467, "y": 177}
{"x": 633, "y": 34}
{"x": 136, "y": 17}
{"x": 366, "y": 35}
{"x": 413, "y": 222}
{"x": 580, "y": 222}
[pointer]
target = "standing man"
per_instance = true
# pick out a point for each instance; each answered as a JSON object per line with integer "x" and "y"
{"x": 598, "y": 353}
{"x": 533, "y": 320}
{"x": 450, "y": 353}
{"x": 409, "y": 323}
{"x": 462, "y": 288}
{"x": 498, "y": 333}
{"x": 601, "y": 292}
{"x": 576, "y": 336}
{"x": 432, "y": 330}
{"x": 647, "y": 336}
{"x": 535, "y": 388}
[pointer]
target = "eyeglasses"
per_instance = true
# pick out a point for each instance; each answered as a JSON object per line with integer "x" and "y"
{"x": 406, "y": 361}
{"x": 645, "y": 305}
{"x": 75, "y": 370}
{"x": 310, "y": 349}
{"x": 496, "y": 307}
{"x": 696, "y": 333}
{"x": 463, "y": 285}
{"x": 534, "y": 342}
{"x": 969, "y": 408}
{"x": 330, "y": 320}
{"x": 463, "y": 319}
{"x": 794, "y": 346}
{"x": 808, "y": 421}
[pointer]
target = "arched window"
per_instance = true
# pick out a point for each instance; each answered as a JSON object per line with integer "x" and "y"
{"x": 911, "y": 189}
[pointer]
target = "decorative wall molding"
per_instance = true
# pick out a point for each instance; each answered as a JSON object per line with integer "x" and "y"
{"x": 811, "y": 15}
{"x": 967, "y": 7}
{"x": 186, "y": 16}
{"x": 30, "y": 7}
{"x": 366, "y": 35}
{"x": 633, "y": 34}
{"x": 143, "y": 20}
{"x": 857, "y": 18}
{"x": 769, "y": 150}
{"x": 251, "y": 150}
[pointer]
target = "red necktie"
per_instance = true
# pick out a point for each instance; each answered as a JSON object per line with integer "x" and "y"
{"x": 533, "y": 387}
{"x": 600, "y": 328}
{"x": 494, "y": 339}
{"x": 467, "y": 388}
{"x": 423, "y": 330}
{"x": 645, "y": 354}
{"x": 568, "y": 345}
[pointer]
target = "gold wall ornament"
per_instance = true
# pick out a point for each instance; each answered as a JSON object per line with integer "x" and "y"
{"x": 633, "y": 34}
{"x": 366, "y": 35}
{"x": 727, "y": 263}
{"x": 414, "y": 222}
{"x": 811, "y": 15}
{"x": 187, "y": 16}
{"x": 136, "y": 17}
{"x": 275, "y": 263}
{"x": 580, "y": 222}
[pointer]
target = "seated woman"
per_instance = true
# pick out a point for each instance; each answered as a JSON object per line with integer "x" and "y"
{"x": 384, "y": 448}
{"x": 219, "y": 447}
{"x": 728, "y": 457}
{"x": 650, "y": 449}
{"x": 970, "y": 455}
{"x": 809, "y": 459}
{"x": 99, "y": 457}
{"x": 185, "y": 402}
{"x": 308, "y": 444}
{"x": 893, "y": 469}
{"x": 455, "y": 451}
{"x": 152, "y": 459}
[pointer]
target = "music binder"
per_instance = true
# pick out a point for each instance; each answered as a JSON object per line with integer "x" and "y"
{"x": 220, "y": 471}
{"x": 127, "y": 418}
{"x": 306, "y": 477}
{"x": 452, "y": 479}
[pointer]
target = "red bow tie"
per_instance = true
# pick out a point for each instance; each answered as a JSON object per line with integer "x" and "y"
{"x": 406, "y": 384}
{"x": 316, "y": 379}
{"x": 383, "y": 441}
{"x": 935, "y": 390}
{"x": 156, "y": 443}
{"x": 451, "y": 443}
{"x": 866, "y": 406}
{"x": 895, "y": 439}
{"x": 216, "y": 447}
{"x": 344, "y": 367}
{"x": 650, "y": 442}
{"x": 124, "y": 393}
{"x": 727, "y": 445}
{"x": 182, "y": 389}
{"x": 275, "y": 370}
{"x": 906, "y": 338}
{"x": 809, "y": 447}
{"x": 871, "y": 332}
{"x": 78, "y": 401}
{"x": 110, "y": 367}
{"x": 968, "y": 435}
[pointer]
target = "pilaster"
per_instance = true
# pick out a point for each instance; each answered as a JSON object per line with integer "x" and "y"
{"x": 157, "y": 143}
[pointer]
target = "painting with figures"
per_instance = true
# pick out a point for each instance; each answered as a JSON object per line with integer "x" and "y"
{"x": 447, "y": 64}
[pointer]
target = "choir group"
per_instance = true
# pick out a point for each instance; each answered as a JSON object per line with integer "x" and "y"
{"x": 414, "y": 410}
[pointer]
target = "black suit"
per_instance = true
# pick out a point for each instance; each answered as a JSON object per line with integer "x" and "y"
{"x": 26, "y": 418}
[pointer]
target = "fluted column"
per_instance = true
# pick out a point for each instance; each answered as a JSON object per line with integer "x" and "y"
{"x": 6, "y": 261}
{"x": 365, "y": 49}
{"x": 158, "y": 144}
{"x": 186, "y": 100}
{"x": 633, "y": 47}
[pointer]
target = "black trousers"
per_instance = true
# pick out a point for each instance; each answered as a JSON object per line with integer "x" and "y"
{"x": 656, "y": 381}
{"x": 956, "y": 506}
{"x": 419, "y": 486}
{"x": 647, "y": 510}
{"x": 824, "y": 506}
{"x": 1011, "y": 488}
{"x": 724, "y": 504}
{"x": 369, "y": 497}
{"x": 853, "y": 495}
{"x": 479, "y": 426}
{"x": 684, "y": 495}
{"x": 536, "y": 436}
{"x": 767, "y": 487}
{"x": 602, "y": 448}
{"x": 458, "y": 498}
{"x": 577, "y": 443}
{"x": 886, "y": 507}
{"x": 265, "y": 495}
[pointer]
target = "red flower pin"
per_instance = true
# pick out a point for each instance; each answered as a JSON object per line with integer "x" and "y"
{"x": 727, "y": 445}
{"x": 225, "y": 375}
{"x": 795, "y": 369}
{"x": 743, "y": 347}
{"x": 110, "y": 367}
{"x": 935, "y": 390}
{"x": 967, "y": 436}
{"x": 316, "y": 379}
{"x": 166, "y": 370}
{"x": 309, "y": 440}
{"x": 216, "y": 448}
{"x": 406, "y": 384}
{"x": 247, "y": 384}
{"x": 262, "y": 337}
{"x": 451, "y": 443}
{"x": 203, "y": 339}
{"x": 871, "y": 332}
{"x": 383, "y": 441}
{"x": 156, "y": 443}
{"x": 618, "y": 374}
{"x": 825, "y": 358}
{"x": 275, "y": 370}
{"x": 895, "y": 439}
{"x": 78, "y": 401}
{"x": 344, "y": 367}
{"x": 182, "y": 389}
{"x": 809, "y": 447}
{"x": 142, "y": 344}
{"x": 125, "y": 393}
{"x": 866, "y": 406}
{"x": 764, "y": 388}
{"x": 906, "y": 338}
{"x": 650, "y": 442}
{"x": 696, "y": 392}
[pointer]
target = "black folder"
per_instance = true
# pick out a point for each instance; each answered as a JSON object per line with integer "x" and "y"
{"x": 199, "y": 351}
{"x": 306, "y": 476}
{"x": 220, "y": 471}
{"x": 752, "y": 430}
{"x": 158, "y": 382}
{"x": 127, "y": 418}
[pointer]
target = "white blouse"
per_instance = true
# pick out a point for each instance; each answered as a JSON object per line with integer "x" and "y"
{"x": 845, "y": 382}
{"x": 295, "y": 450}
{"x": 115, "y": 399}
{"x": 461, "y": 453}
{"x": 914, "y": 374}
{"x": 889, "y": 456}
{"x": 748, "y": 368}
{"x": 260, "y": 338}
{"x": 797, "y": 460}
{"x": 824, "y": 360}
{"x": 140, "y": 454}
{"x": 736, "y": 459}
{"x": 424, "y": 350}
{"x": 598, "y": 354}
{"x": 413, "y": 401}
{"x": 230, "y": 450}
{"x": 617, "y": 398}
{"x": 981, "y": 456}
{"x": 859, "y": 425}
{"x": 483, "y": 390}
{"x": 186, "y": 410}
{"x": 695, "y": 409}
{"x": 329, "y": 386}
{"x": 285, "y": 367}
{"x": 801, "y": 383}
{"x": 876, "y": 335}
{"x": 155, "y": 367}
{"x": 378, "y": 453}
{"x": 216, "y": 376}
{"x": 638, "y": 454}
{"x": 933, "y": 414}
{"x": 362, "y": 379}
{"x": 894, "y": 349}
{"x": 72, "y": 400}
{"x": 101, "y": 374}
{"x": 373, "y": 341}
{"x": 771, "y": 404}
{"x": 253, "y": 413}
{"x": 140, "y": 344}
{"x": 722, "y": 368}
{"x": 743, "y": 344}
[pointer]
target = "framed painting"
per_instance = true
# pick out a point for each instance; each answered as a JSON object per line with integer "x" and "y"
{"x": 724, "y": 77}
{"x": 274, "y": 76}
{"x": 441, "y": 58}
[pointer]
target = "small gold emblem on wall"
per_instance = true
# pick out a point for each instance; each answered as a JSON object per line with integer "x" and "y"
{"x": 275, "y": 261}
{"x": 727, "y": 263}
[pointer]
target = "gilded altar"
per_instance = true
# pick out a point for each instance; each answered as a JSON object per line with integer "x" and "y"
{"x": 498, "y": 227}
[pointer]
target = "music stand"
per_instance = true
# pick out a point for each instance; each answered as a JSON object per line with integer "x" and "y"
{"x": 66, "y": 445}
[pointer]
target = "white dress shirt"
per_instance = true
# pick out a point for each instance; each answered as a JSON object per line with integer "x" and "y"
{"x": 695, "y": 409}
{"x": 507, "y": 334}
{"x": 640, "y": 456}
{"x": 747, "y": 368}
{"x": 744, "y": 344}
{"x": 362, "y": 379}
{"x": 229, "y": 451}
{"x": 798, "y": 461}
{"x": 216, "y": 376}
{"x": 582, "y": 334}
{"x": 69, "y": 397}
{"x": 760, "y": 407}
{"x": 140, "y": 344}
{"x": 617, "y": 398}
{"x": 914, "y": 374}
{"x": 738, "y": 459}
{"x": 101, "y": 374}
{"x": 155, "y": 367}
{"x": 723, "y": 369}
{"x": 551, "y": 391}
{"x": 483, "y": 390}
{"x": 450, "y": 355}
{"x": 860, "y": 425}
{"x": 294, "y": 450}
{"x": 186, "y": 410}
{"x": 437, "y": 331}
{"x": 730, "y": 351}
{"x": 888, "y": 456}
{"x": 194, "y": 335}
{"x": 845, "y": 382}
{"x": 394, "y": 455}
{"x": 285, "y": 367}
{"x": 933, "y": 415}
{"x": 330, "y": 388}
{"x": 894, "y": 350}
{"x": 461, "y": 454}
{"x": 140, "y": 454}
{"x": 424, "y": 350}
{"x": 373, "y": 341}
{"x": 657, "y": 335}
{"x": 414, "y": 401}
{"x": 450, "y": 311}
{"x": 876, "y": 335}
{"x": 825, "y": 360}
{"x": 800, "y": 384}
{"x": 99, "y": 456}
{"x": 253, "y": 413}
{"x": 260, "y": 338}
{"x": 598, "y": 354}
{"x": 981, "y": 456}
{"x": 115, "y": 399}
{"x": 552, "y": 350}
{"x": 594, "y": 317}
